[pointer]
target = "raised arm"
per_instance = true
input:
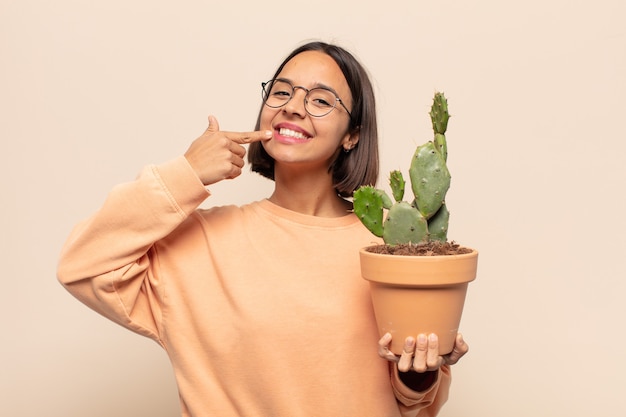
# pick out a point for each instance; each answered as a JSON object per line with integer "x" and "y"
{"x": 106, "y": 261}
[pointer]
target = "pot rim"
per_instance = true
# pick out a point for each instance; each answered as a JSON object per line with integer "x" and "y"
{"x": 439, "y": 270}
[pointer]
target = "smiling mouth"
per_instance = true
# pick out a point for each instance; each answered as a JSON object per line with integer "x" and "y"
{"x": 283, "y": 131}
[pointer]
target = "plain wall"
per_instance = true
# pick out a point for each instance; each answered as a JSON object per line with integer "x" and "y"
{"x": 92, "y": 91}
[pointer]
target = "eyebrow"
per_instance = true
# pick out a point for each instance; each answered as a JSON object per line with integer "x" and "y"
{"x": 316, "y": 85}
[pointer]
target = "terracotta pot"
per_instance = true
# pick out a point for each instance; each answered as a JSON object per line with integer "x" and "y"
{"x": 418, "y": 294}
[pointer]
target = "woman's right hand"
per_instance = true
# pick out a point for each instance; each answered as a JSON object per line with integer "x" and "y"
{"x": 217, "y": 156}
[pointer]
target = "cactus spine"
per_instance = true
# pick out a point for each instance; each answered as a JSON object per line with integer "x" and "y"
{"x": 426, "y": 217}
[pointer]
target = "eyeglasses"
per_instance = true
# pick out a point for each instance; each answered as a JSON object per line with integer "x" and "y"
{"x": 318, "y": 101}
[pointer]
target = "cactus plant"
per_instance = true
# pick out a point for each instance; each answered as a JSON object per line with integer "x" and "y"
{"x": 426, "y": 217}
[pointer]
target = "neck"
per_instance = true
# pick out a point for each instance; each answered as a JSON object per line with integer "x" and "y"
{"x": 308, "y": 193}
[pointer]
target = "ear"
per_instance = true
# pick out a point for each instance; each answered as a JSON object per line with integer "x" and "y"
{"x": 350, "y": 140}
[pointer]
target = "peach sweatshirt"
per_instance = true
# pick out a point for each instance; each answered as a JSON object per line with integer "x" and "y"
{"x": 261, "y": 310}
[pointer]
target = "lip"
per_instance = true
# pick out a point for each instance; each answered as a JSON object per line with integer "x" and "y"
{"x": 290, "y": 139}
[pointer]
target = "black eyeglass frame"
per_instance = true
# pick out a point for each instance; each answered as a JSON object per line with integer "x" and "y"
{"x": 264, "y": 95}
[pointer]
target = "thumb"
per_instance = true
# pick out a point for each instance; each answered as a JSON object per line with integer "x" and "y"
{"x": 214, "y": 126}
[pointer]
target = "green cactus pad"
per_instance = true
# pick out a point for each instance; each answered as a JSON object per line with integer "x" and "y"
{"x": 439, "y": 113}
{"x": 438, "y": 225}
{"x": 368, "y": 206}
{"x": 404, "y": 224}
{"x": 396, "y": 180}
{"x": 430, "y": 179}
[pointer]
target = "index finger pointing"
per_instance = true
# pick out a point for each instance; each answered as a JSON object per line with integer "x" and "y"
{"x": 249, "y": 137}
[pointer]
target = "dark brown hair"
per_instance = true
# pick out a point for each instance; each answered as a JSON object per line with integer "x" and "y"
{"x": 360, "y": 165}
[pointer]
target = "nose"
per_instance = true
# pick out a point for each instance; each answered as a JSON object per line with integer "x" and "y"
{"x": 296, "y": 104}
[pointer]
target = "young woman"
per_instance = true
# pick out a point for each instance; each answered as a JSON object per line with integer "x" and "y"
{"x": 261, "y": 308}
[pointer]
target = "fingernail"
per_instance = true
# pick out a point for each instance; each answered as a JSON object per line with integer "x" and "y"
{"x": 421, "y": 338}
{"x": 268, "y": 133}
{"x": 432, "y": 337}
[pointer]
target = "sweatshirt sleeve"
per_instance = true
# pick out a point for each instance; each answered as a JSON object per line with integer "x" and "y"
{"x": 422, "y": 404}
{"x": 106, "y": 261}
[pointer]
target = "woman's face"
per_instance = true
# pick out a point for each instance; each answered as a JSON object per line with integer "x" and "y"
{"x": 298, "y": 136}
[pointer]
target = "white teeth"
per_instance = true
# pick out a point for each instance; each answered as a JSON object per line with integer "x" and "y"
{"x": 288, "y": 132}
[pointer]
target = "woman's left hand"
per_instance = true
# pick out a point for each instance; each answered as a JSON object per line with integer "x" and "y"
{"x": 422, "y": 354}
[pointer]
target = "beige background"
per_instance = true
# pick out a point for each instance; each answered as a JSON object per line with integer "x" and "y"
{"x": 91, "y": 91}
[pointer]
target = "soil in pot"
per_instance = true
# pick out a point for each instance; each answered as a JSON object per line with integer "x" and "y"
{"x": 434, "y": 248}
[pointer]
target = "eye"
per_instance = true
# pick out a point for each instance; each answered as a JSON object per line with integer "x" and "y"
{"x": 280, "y": 92}
{"x": 321, "y": 102}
